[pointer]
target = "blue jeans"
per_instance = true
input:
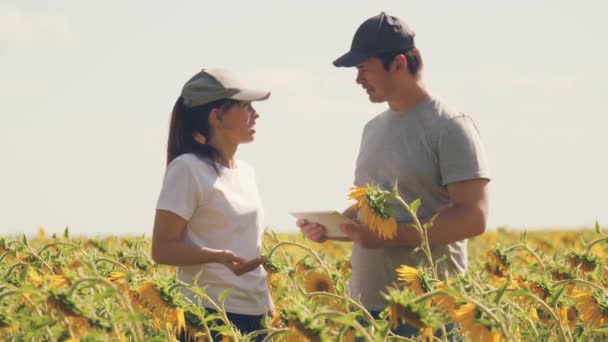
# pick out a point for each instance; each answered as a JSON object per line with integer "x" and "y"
{"x": 245, "y": 323}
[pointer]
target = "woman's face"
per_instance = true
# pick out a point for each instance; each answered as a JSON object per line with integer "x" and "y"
{"x": 237, "y": 123}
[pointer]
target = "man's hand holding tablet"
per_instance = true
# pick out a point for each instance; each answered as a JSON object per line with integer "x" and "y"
{"x": 322, "y": 224}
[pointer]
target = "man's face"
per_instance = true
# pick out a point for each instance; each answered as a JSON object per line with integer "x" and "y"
{"x": 374, "y": 79}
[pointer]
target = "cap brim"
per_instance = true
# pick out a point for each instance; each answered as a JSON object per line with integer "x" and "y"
{"x": 251, "y": 95}
{"x": 351, "y": 59}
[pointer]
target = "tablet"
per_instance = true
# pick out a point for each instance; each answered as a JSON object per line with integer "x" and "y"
{"x": 330, "y": 219}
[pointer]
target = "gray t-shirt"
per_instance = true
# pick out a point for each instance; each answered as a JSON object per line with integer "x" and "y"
{"x": 423, "y": 149}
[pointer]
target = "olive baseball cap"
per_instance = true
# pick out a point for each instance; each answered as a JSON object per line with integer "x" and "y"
{"x": 214, "y": 84}
{"x": 378, "y": 34}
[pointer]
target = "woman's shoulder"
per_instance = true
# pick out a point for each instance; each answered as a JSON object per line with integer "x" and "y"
{"x": 190, "y": 161}
{"x": 245, "y": 166}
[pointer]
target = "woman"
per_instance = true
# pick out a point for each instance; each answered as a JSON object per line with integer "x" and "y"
{"x": 209, "y": 218}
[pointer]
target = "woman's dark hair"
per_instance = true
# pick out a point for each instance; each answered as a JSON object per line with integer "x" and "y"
{"x": 185, "y": 121}
{"x": 411, "y": 56}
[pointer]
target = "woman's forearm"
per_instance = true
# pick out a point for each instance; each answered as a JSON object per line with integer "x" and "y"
{"x": 179, "y": 253}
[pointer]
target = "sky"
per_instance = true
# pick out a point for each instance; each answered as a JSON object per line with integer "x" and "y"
{"x": 86, "y": 89}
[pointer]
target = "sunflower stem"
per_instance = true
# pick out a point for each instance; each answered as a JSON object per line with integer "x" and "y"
{"x": 47, "y": 328}
{"x": 48, "y": 245}
{"x": 550, "y": 310}
{"x": 504, "y": 329}
{"x": 114, "y": 262}
{"x": 595, "y": 242}
{"x": 527, "y": 248}
{"x": 422, "y": 234}
{"x": 362, "y": 330}
{"x": 350, "y": 300}
{"x": 565, "y": 281}
{"x": 310, "y": 250}
{"x": 138, "y": 328}
{"x": 278, "y": 332}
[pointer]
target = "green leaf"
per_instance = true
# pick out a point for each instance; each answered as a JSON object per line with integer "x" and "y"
{"x": 597, "y": 227}
{"x": 597, "y": 272}
{"x": 523, "y": 237}
{"x": 223, "y": 295}
{"x": 415, "y": 205}
{"x": 519, "y": 292}
{"x": 212, "y": 317}
{"x": 601, "y": 330}
{"x": 221, "y": 328}
{"x": 555, "y": 297}
{"x": 344, "y": 320}
{"x": 382, "y": 326}
{"x": 66, "y": 233}
{"x": 501, "y": 291}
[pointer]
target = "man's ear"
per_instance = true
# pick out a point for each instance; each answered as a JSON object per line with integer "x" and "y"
{"x": 400, "y": 63}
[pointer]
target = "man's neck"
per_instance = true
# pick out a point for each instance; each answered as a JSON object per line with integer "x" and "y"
{"x": 408, "y": 97}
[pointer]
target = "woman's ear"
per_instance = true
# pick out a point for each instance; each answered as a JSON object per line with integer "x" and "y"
{"x": 201, "y": 139}
{"x": 215, "y": 117}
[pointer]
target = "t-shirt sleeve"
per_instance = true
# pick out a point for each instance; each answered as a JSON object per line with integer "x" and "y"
{"x": 180, "y": 191}
{"x": 461, "y": 153}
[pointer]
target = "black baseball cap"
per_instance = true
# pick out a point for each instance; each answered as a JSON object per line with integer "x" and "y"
{"x": 378, "y": 34}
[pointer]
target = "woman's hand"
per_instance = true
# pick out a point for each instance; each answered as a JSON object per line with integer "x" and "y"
{"x": 237, "y": 264}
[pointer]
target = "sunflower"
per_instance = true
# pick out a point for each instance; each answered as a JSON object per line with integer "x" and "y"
{"x": 65, "y": 306}
{"x": 497, "y": 263}
{"x": 403, "y": 309}
{"x": 376, "y": 211}
{"x": 466, "y": 315}
{"x": 345, "y": 267}
{"x": 593, "y": 307}
{"x": 298, "y": 331}
{"x": 568, "y": 315}
{"x": 414, "y": 279}
{"x": 150, "y": 297}
{"x": 8, "y": 324}
{"x": 541, "y": 288}
{"x": 586, "y": 262}
{"x": 194, "y": 325}
{"x": 444, "y": 301}
{"x": 318, "y": 282}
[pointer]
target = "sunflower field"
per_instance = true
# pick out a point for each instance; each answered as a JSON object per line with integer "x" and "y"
{"x": 548, "y": 285}
{"x": 540, "y": 286}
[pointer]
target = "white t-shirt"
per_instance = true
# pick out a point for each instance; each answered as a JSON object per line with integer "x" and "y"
{"x": 223, "y": 211}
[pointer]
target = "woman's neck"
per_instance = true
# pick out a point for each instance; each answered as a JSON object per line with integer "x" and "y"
{"x": 226, "y": 152}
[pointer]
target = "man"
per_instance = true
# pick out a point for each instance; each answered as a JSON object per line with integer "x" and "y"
{"x": 432, "y": 151}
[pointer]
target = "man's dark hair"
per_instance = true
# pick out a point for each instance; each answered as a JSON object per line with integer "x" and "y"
{"x": 412, "y": 58}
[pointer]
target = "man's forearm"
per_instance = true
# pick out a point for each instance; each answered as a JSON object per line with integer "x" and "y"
{"x": 451, "y": 225}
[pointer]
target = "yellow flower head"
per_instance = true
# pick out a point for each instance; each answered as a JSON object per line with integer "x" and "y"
{"x": 466, "y": 315}
{"x": 414, "y": 279}
{"x": 318, "y": 282}
{"x": 376, "y": 211}
{"x": 593, "y": 307}
{"x": 497, "y": 263}
{"x": 403, "y": 308}
{"x": 445, "y": 302}
{"x": 150, "y": 297}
